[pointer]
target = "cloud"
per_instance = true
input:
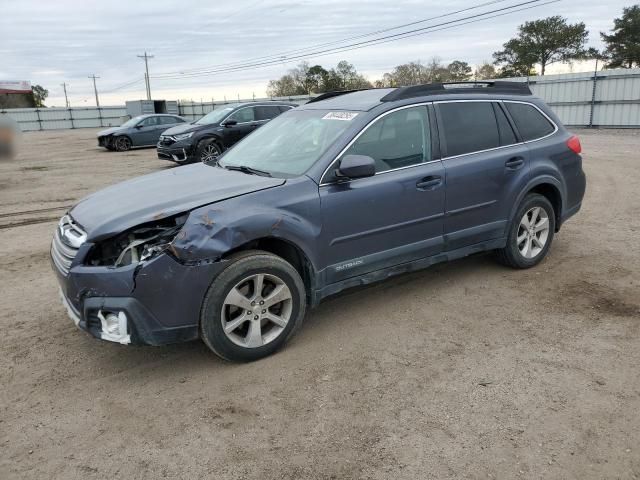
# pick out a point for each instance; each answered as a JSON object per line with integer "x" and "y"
{"x": 67, "y": 40}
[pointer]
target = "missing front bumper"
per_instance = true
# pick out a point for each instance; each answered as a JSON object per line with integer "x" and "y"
{"x": 111, "y": 326}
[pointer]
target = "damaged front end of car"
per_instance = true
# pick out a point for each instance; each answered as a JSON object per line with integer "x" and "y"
{"x": 131, "y": 289}
{"x": 106, "y": 141}
{"x": 137, "y": 245}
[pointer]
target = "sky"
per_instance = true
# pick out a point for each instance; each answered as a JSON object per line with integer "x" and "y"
{"x": 49, "y": 42}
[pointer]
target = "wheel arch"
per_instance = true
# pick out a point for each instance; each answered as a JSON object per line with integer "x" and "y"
{"x": 208, "y": 136}
{"x": 286, "y": 249}
{"x": 550, "y": 188}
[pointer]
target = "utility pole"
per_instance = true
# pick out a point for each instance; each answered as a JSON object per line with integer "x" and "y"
{"x": 146, "y": 75}
{"x": 95, "y": 89}
{"x": 66, "y": 99}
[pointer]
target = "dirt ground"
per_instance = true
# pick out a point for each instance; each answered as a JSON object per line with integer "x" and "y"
{"x": 466, "y": 370}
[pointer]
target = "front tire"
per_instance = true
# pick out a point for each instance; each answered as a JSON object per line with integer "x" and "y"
{"x": 122, "y": 144}
{"x": 252, "y": 307}
{"x": 208, "y": 151}
{"x": 530, "y": 234}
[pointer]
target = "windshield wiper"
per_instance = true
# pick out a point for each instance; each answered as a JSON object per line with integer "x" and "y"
{"x": 249, "y": 170}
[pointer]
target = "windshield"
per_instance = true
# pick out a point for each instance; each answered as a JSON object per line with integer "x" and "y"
{"x": 215, "y": 117}
{"x": 132, "y": 123}
{"x": 288, "y": 145}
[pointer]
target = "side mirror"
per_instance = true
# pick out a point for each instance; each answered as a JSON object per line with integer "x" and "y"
{"x": 230, "y": 123}
{"x": 356, "y": 166}
{"x": 138, "y": 126}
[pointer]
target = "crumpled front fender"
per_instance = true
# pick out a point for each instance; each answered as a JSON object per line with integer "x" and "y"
{"x": 214, "y": 230}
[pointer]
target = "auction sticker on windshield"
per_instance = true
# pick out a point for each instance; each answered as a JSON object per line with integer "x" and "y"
{"x": 346, "y": 116}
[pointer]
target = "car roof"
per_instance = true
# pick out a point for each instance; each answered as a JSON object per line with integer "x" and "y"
{"x": 365, "y": 100}
{"x": 250, "y": 104}
{"x": 147, "y": 115}
{"x": 361, "y": 100}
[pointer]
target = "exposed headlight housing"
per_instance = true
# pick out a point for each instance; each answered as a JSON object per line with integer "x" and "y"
{"x": 138, "y": 244}
{"x": 183, "y": 136}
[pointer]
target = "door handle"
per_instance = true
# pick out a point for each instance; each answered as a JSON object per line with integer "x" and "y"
{"x": 514, "y": 163}
{"x": 429, "y": 183}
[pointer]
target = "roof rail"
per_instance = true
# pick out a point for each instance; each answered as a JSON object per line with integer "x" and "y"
{"x": 336, "y": 93}
{"x": 505, "y": 87}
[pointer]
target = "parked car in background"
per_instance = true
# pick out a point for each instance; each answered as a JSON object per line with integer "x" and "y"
{"x": 205, "y": 139}
{"x": 140, "y": 131}
{"x": 340, "y": 192}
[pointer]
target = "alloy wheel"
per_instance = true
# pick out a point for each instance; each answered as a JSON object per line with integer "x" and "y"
{"x": 533, "y": 232}
{"x": 122, "y": 144}
{"x": 256, "y": 310}
{"x": 210, "y": 153}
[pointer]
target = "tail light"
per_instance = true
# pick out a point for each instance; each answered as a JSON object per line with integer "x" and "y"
{"x": 574, "y": 144}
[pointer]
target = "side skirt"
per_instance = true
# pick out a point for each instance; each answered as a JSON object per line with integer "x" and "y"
{"x": 420, "y": 264}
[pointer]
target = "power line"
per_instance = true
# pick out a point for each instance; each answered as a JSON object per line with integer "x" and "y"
{"x": 119, "y": 87}
{"x": 124, "y": 85}
{"x": 385, "y": 39}
{"x": 283, "y": 55}
{"x": 146, "y": 75}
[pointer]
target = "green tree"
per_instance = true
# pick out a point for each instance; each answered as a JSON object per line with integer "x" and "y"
{"x": 303, "y": 80}
{"x": 386, "y": 81}
{"x": 486, "y": 71}
{"x": 417, "y": 73}
{"x": 40, "y": 94}
{"x": 316, "y": 79}
{"x": 542, "y": 42}
{"x": 412, "y": 73}
{"x": 623, "y": 45}
{"x": 285, "y": 86}
{"x": 459, "y": 71}
{"x": 436, "y": 71}
{"x": 349, "y": 77}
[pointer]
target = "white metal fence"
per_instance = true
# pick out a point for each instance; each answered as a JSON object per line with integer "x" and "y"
{"x": 61, "y": 118}
{"x": 608, "y": 99}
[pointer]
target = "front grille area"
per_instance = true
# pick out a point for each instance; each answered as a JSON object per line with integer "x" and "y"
{"x": 166, "y": 140}
{"x": 66, "y": 242}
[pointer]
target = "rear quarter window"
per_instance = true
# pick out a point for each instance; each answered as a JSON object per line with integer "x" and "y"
{"x": 529, "y": 121}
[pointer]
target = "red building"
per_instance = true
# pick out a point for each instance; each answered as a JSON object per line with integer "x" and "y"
{"x": 16, "y": 94}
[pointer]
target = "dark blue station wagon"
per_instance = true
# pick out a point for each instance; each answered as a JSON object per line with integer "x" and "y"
{"x": 349, "y": 189}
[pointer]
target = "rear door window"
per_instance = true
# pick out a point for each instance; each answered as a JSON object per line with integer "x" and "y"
{"x": 399, "y": 139}
{"x": 468, "y": 127}
{"x": 529, "y": 121}
{"x": 267, "y": 112}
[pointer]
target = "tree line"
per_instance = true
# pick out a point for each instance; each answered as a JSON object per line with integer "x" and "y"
{"x": 538, "y": 43}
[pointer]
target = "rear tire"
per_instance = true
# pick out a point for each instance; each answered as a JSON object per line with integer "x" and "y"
{"x": 122, "y": 144}
{"x": 530, "y": 233}
{"x": 252, "y": 307}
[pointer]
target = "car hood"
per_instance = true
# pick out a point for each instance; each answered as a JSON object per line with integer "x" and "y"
{"x": 109, "y": 131}
{"x": 162, "y": 194}
{"x": 186, "y": 128}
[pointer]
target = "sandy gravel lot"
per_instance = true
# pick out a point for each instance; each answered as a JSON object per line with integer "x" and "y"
{"x": 466, "y": 370}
